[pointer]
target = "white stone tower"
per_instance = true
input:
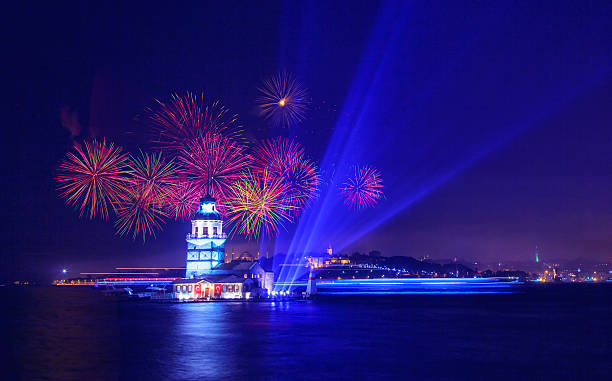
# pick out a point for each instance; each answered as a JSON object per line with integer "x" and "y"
{"x": 206, "y": 242}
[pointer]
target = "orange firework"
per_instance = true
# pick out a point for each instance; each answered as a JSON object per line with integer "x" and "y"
{"x": 283, "y": 100}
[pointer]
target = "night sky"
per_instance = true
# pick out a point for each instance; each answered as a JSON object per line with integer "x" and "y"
{"x": 491, "y": 123}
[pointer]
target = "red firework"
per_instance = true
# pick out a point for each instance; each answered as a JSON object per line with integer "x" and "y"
{"x": 214, "y": 163}
{"x": 94, "y": 177}
{"x": 283, "y": 100}
{"x": 182, "y": 201}
{"x": 363, "y": 189}
{"x": 257, "y": 205}
{"x": 187, "y": 117}
{"x": 284, "y": 161}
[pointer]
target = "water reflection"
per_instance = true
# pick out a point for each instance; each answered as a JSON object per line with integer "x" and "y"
{"x": 210, "y": 340}
{"x": 75, "y": 334}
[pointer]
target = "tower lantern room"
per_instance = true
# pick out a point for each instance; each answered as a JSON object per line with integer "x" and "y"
{"x": 206, "y": 242}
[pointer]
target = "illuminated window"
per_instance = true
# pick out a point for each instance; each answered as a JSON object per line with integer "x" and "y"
{"x": 204, "y": 230}
{"x": 214, "y": 230}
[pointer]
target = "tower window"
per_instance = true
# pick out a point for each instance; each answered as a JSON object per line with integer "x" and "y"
{"x": 196, "y": 230}
{"x": 214, "y": 230}
{"x": 204, "y": 230}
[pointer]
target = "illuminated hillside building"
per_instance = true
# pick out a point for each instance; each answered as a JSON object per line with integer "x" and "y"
{"x": 206, "y": 242}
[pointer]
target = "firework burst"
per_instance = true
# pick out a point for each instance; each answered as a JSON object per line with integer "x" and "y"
{"x": 182, "y": 200}
{"x": 186, "y": 117}
{"x": 141, "y": 210}
{"x": 152, "y": 177}
{"x": 283, "y": 100}
{"x": 363, "y": 188}
{"x": 284, "y": 161}
{"x": 257, "y": 205}
{"x": 214, "y": 163}
{"x": 94, "y": 178}
{"x": 139, "y": 214}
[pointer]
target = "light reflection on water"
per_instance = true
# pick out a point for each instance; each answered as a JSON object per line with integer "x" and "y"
{"x": 76, "y": 334}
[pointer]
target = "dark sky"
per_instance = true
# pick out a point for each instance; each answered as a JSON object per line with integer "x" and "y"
{"x": 491, "y": 122}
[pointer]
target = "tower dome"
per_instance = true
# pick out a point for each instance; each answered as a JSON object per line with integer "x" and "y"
{"x": 207, "y": 209}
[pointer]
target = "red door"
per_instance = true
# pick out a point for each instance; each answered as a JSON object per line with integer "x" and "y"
{"x": 206, "y": 292}
{"x": 198, "y": 291}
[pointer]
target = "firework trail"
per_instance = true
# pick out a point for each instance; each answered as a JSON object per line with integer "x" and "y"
{"x": 284, "y": 161}
{"x": 182, "y": 200}
{"x": 94, "y": 178}
{"x": 283, "y": 100}
{"x": 256, "y": 206}
{"x": 363, "y": 188}
{"x": 186, "y": 117}
{"x": 214, "y": 163}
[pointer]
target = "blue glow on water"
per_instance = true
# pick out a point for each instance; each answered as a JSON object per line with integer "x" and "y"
{"x": 401, "y": 286}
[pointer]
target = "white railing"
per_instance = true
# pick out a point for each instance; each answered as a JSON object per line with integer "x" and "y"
{"x": 212, "y": 236}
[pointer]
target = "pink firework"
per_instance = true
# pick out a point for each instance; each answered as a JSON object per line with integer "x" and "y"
{"x": 283, "y": 100}
{"x": 94, "y": 177}
{"x": 283, "y": 159}
{"x": 182, "y": 200}
{"x": 363, "y": 188}
{"x": 214, "y": 163}
{"x": 187, "y": 117}
{"x": 276, "y": 154}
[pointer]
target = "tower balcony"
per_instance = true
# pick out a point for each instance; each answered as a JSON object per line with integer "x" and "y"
{"x": 206, "y": 236}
